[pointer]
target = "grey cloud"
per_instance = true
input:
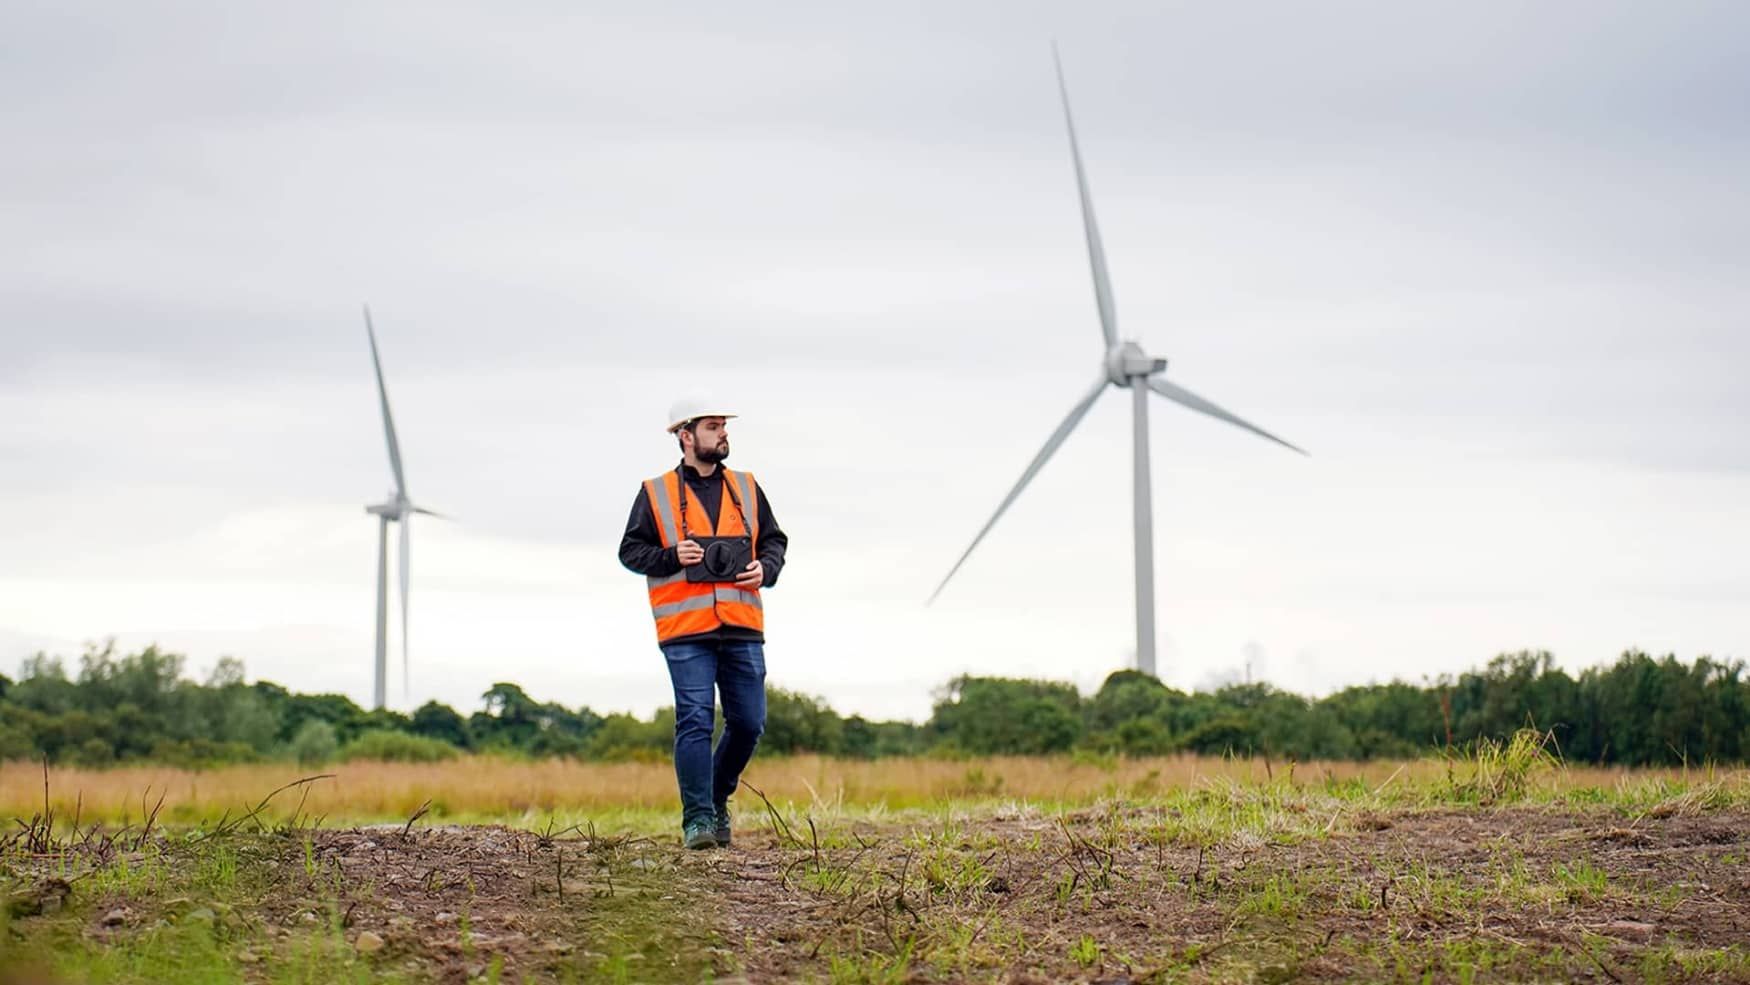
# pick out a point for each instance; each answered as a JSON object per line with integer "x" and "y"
{"x": 215, "y": 188}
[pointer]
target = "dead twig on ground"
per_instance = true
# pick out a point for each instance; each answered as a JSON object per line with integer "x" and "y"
{"x": 229, "y": 827}
{"x": 408, "y": 827}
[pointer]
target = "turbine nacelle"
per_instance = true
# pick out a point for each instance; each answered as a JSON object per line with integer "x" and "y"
{"x": 1126, "y": 362}
{"x": 390, "y": 509}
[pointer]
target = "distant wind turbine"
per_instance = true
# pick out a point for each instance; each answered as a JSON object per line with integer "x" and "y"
{"x": 1123, "y": 365}
{"x": 398, "y": 508}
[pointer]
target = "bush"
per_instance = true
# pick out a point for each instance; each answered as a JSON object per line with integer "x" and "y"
{"x": 999, "y": 716}
{"x": 622, "y": 736}
{"x": 197, "y": 754}
{"x": 385, "y": 745}
{"x": 94, "y": 752}
{"x": 797, "y": 722}
{"x": 315, "y": 743}
{"x": 1223, "y": 735}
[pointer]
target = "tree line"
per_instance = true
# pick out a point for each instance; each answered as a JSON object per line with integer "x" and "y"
{"x": 1639, "y": 710}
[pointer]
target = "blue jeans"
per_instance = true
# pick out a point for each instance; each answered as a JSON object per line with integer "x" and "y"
{"x": 737, "y": 669}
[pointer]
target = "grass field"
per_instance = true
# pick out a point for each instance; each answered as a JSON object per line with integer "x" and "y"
{"x": 1504, "y": 866}
{"x": 487, "y": 789}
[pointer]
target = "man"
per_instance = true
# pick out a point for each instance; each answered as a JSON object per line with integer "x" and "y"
{"x": 710, "y": 622}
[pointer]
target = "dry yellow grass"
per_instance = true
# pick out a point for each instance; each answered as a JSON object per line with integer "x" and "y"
{"x": 486, "y": 787}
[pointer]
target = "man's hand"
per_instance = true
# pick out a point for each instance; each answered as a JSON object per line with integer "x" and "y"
{"x": 751, "y": 576}
{"x": 689, "y": 553}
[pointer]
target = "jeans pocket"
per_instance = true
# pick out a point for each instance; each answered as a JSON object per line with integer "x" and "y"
{"x": 683, "y": 652}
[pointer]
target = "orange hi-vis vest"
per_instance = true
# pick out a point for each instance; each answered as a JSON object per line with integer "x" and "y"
{"x": 686, "y": 608}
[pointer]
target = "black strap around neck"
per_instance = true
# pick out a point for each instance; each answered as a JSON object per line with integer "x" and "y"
{"x": 680, "y": 472}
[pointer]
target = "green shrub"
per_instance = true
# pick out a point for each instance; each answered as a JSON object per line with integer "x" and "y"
{"x": 386, "y": 745}
{"x": 201, "y": 753}
{"x": 315, "y": 743}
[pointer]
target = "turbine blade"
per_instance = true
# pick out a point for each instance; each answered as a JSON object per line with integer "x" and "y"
{"x": 1075, "y": 415}
{"x": 1096, "y": 252}
{"x": 406, "y": 553}
{"x": 1180, "y": 395}
{"x": 388, "y": 419}
{"x": 425, "y": 512}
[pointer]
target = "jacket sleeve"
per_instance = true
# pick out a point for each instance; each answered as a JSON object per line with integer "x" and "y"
{"x": 773, "y": 541}
{"x": 641, "y": 548}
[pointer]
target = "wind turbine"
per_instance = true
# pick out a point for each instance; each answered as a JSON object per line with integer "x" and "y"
{"x": 398, "y": 508}
{"x": 1124, "y": 365}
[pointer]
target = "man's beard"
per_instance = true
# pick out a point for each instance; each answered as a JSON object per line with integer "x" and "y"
{"x": 712, "y": 456}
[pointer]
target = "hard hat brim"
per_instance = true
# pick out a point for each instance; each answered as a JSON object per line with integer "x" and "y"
{"x": 676, "y": 426}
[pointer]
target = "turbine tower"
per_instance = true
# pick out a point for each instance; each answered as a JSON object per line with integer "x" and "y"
{"x": 398, "y": 508}
{"x": 1126, "y": 366}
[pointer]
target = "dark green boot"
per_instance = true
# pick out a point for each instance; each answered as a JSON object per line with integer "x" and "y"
{"x": 700, "y": 833}
{"x": 721, "y": 825}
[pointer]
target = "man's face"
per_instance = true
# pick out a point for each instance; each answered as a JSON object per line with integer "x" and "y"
{"x": 711, "y": 440}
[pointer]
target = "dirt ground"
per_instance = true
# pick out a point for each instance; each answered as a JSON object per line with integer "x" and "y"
{"x": 1112, "y": 894}
{"x": 1355, "y": 904}
{"x": 1574, "y": 895}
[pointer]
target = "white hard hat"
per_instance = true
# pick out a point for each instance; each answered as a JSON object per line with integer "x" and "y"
{"x": 691, "y": 409}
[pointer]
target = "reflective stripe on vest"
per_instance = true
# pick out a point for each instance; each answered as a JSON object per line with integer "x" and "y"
{"x": 686, "y": 605}
{"x": 729, "y": 593}
{"x": 706, "y": 601}
{"x": 683, "y": 608}
{"x": 665, "y": 516}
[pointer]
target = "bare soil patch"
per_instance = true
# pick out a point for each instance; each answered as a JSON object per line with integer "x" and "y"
{"x": 450, "y": 903}
{"x": 1111, "y": 895}
{"x": 1117, "y": 893}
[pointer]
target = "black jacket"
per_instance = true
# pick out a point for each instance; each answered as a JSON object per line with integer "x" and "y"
{"x": 641, "y": 547}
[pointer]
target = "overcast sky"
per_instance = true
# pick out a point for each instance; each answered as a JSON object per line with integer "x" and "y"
{"x": 1486, "y": 262}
